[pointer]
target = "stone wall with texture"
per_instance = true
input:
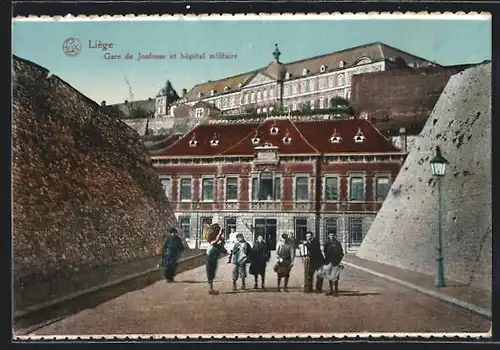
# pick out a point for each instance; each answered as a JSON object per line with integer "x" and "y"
{"x": 85, "y": 193}
{"x": 404, "y": 233}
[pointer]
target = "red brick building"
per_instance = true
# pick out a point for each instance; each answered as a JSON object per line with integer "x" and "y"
{"x": 279, "y": 175}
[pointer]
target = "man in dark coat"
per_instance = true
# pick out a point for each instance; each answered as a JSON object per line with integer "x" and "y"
{"x": 314, "y": 260}
{"x": 334, "y": 255}
{"x": 261, "y": 255}
{"x": 172, "y": 249}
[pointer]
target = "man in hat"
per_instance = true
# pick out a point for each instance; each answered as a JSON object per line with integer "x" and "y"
{"x": 240, "y": 256}
{"x": 172, "y": 250}
{"x": 314, "y": 260}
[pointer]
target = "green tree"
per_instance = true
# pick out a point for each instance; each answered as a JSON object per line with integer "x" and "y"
{"x": 341, "y": 106}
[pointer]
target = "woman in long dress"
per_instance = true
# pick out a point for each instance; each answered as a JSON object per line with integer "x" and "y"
{"x": 285, "y": 253}
{"x": 331, "y": 271}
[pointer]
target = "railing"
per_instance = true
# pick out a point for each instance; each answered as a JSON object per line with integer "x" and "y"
{"x": 264, "y": 205}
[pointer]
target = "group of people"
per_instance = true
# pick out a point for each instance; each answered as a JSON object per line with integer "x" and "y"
{"x": 325, "y": 264}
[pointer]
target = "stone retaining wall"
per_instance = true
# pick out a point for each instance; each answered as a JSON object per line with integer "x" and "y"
{"x": 85, "y": 193}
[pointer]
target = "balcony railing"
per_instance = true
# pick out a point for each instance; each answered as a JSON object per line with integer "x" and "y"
{"x": 270, "y": 205}
{"x": 265, "y": 205}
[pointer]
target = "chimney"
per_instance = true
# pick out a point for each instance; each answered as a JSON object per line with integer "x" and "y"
{"x": 103, "y": 104}
{"x": 184, "y": 92}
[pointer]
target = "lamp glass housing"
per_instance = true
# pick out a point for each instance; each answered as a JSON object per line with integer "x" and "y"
{"x": 438, "y": 163}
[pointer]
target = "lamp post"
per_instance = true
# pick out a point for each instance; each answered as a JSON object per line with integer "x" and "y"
{"x": 197, "y": 207}
{"x": 438, "y": 168}
{"x": 343, "y": 205}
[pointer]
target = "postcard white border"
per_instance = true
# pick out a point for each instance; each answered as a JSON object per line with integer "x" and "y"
{"x": 267, "y": 16}
{"x": 242, "y": 336}
{"x": 249, "y": 17}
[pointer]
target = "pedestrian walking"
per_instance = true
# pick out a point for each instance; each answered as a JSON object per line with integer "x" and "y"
{"x": 261, "y": 255}
{"x": 216, "y": 241}
{"x": 240, "y": 256}
{"x": 172, "y": 249}
{"x": 314, "y": 259}
{"x": 286, "y": 256}
{"x": 331, "y": 271}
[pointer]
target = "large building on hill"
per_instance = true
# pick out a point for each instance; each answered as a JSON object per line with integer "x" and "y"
{"x": 313, "y": 82}
{"x": 279, "y": 175}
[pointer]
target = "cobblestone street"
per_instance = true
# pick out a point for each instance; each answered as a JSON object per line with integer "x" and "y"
{"x": 365, "y": 304}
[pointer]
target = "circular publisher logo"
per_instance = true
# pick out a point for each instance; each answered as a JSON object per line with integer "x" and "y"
{"x": 72, "y": 46}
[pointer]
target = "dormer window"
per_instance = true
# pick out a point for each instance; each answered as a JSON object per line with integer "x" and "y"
{"x": 214, "y": 141}
{"x": 226, "y": 89}
{"x": 274, "y": 130}
{"x": 212, "y": 92}
{"x": 200, "y": 95}
{"x": 256, "y": 139}
{"x": 336, "y": 138}
{"x": 322, "y": 69}
{"x": 288, "y": 75}
{"x": 341, "y": 64}
{"x": 193, "y": 142}
{"x": 359, "y": 137}
{"x": 304, "y": 71}
{"x": 287, "y": 139}
{"x": 240, "y": 85}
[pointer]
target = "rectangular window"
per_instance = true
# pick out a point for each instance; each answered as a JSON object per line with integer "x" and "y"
{"x": 185, "y": 190}
{"x": 355, "y": 231}
{"x": 266, "y": 187}
{"x": 229, "y": 226}
{"x": 300, "y": 226}
{"x": 204, "y": 221}
{"x": 166, "y": 183}
{"x": 207, "y": 190}
{"x": 331, "y": 226}
{"x": 231, "y": 188}
{"x": 199, "y": 113}
{"x": 331, "y": 189}
{"x": 357, "y": 189}
{"x": 286, "y": 90}
{"x": 382, "y": 188}
{"x": 302, "y": 188}
{"x": 185, "y": 224}
{"x": 294, "y": 106}
{"x": 295, "y": 89}
{"x": 321, "y": 102}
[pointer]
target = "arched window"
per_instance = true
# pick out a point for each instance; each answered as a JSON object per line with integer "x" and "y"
{"x": 340, "y": 80}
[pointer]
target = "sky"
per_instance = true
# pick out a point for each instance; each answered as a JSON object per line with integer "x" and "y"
{"x": 447, "y": 42}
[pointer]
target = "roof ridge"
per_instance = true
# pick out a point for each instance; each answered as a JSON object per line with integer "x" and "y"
{"x": 182, "y": 138}
{"x": 243, "y": 139}
{"x": 262, "y": 69}
{"x": 301, "y": 135}
{"x": 376, "y": 129}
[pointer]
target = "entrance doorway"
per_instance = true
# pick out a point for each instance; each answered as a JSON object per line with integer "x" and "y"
{"x": 267, "y": 228}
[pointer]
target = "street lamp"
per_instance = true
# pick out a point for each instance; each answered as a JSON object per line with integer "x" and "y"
{"x": 438, "y": 167}
{"x": 343, "y": 206}
{"x": 197, "y": 207}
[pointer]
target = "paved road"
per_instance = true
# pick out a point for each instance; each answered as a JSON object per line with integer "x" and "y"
{"x": 365, "y": 304}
